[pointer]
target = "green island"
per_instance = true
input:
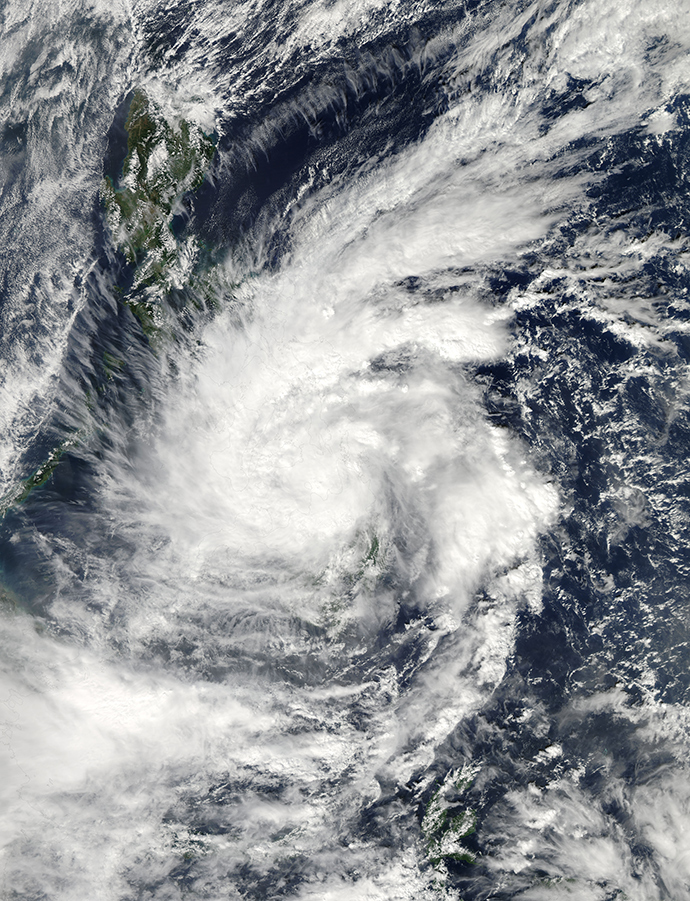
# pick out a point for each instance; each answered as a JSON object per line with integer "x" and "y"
{"x": 444, "y": 832}
{"x": 359, "y": 568}
{"x": 23, "y": 488}
{"x": 164, "y": 163}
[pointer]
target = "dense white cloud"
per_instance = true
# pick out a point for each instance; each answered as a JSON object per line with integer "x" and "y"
{"x": 321, "y": 464}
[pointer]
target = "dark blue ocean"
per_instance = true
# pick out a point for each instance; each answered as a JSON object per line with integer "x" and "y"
{"x": 344, "y": 441}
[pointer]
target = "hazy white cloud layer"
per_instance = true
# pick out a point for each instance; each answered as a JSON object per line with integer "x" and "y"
{"x": 63, "y": 67}
{"x": 214, "y": 690}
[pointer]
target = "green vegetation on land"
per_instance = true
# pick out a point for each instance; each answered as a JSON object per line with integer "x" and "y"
{"x": 22, "y": 489}
{"x": 444, "y": 832}
{"x": 164, "y": 163}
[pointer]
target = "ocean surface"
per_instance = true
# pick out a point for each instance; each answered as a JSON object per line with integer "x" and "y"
{"x": 344, "y": 442}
